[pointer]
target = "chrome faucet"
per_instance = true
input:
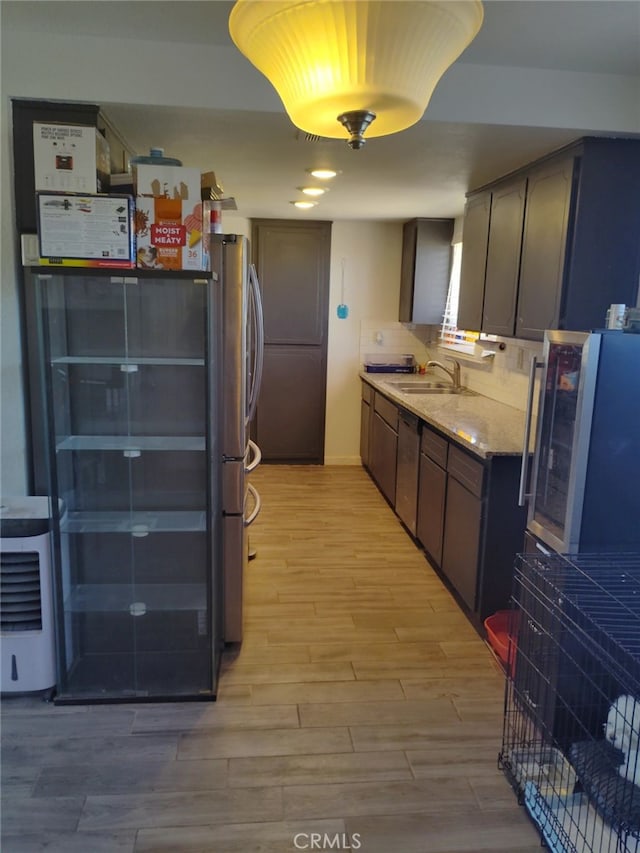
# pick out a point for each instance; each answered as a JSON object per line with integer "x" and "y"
{"x": 453, "y": 374}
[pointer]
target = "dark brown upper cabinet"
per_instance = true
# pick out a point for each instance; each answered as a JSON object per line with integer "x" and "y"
{"x": 503, "y": 257}
{"x": 558, "y": 244}
{"x": 475, "y": 242}
{"x": 426, "y": 266}
{"x": 544, "y": 248}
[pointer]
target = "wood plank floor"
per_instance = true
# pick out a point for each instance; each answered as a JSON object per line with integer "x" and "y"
{"x": 361, "y": 702}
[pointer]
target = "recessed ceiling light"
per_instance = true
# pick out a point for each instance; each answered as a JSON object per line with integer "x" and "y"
{"x": 313, "y": 190}
{"x": 304, "y": 205}
{"x": 323, "y": 174}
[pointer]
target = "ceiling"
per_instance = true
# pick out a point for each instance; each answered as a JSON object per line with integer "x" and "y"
{"x": 260, "y": 158}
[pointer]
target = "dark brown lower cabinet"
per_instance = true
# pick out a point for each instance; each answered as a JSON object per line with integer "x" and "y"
{"x": 366, "y": 414}
{"x": 383, "y": 450}
{"x": 407, "y": 469}
{"x": 384, "y": 454}
{"x": 462, "y": 527}
{"x": 432, "y": 491}
{"x": 484, "y": 529}
{"x": 461, "y": 547}
{"x": 468, "y": 519}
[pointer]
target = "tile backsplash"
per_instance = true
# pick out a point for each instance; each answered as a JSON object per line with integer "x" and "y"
{"x": 503, "y": 377}
{"x": 386, "y": 338}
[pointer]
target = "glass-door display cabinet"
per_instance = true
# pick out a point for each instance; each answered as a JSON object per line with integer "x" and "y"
{"x": 129, "y": 385}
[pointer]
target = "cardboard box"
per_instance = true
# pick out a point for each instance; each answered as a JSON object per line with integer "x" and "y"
{"x": 209, "y": 186}
{"x": 85, "y": 230}
{"x": 170, "y": 220}
{"x": 70, "y": 158}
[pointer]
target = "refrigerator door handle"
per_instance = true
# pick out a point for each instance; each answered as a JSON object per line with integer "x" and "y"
{"x": 523, "y": 495}
{"x": 259, "y": 347}
{"x": 256, "y": 457}
{"x": 255, "y": 494}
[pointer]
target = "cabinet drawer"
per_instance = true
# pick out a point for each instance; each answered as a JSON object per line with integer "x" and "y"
{"x": 435, "y": 447}
{"x": 387, "y": 410}
{"x": 466, "y": 470}
{"x": 367, "y": 393}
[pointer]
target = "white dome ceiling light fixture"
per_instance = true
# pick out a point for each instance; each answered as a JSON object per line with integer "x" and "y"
{"x": 304, "y": 205}
{"x": 357, "y": 64}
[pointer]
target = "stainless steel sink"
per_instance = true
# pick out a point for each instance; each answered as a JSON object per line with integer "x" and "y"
{"x": 430, "y": 388}
{"x": 420, "y": 385}
{"x": 450, "y": 390}
{"x": 426, "y": 388}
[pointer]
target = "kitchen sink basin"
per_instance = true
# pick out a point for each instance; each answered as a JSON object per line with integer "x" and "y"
{"x": 430, "y": 388}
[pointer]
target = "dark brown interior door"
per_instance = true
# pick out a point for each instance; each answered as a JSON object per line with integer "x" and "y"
{"x": 292, "y": 259}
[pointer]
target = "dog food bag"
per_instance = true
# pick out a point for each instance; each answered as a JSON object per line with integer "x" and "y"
{"x": 169, "y": 218}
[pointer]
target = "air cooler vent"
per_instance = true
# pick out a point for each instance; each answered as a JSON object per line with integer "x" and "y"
{"x": 20, "y": 598}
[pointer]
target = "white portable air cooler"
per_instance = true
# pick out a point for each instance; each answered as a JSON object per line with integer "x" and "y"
{"x": 27, "y": 644}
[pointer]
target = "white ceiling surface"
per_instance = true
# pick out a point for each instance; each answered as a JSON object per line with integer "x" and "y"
{"x": 260, "y": 158}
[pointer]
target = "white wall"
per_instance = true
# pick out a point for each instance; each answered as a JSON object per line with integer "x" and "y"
{"x": 13, "y": 471}
{"x": 372, "y": 254}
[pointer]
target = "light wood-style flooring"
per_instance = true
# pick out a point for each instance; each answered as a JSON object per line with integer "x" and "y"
{"x": 361, "y": 705}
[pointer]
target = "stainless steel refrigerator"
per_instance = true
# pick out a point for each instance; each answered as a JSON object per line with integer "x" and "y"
{"x": 585, "y": 481}
{"x": 141, "y": 404}
{"x": 242, "y": 359}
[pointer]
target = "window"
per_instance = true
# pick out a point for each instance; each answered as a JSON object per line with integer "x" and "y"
{"x": 451, "y": 337}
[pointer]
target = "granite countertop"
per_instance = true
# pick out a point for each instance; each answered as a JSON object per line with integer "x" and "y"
{"x": 477, "y": 423}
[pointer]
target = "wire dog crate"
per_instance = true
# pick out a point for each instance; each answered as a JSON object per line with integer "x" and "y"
{"x": 572, "y": 700}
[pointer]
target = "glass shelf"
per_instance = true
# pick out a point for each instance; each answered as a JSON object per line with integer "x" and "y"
{"x": 139, "y": 524}
{"x": 136, "y": 599}
{"x": 132, "y": 443}
{"x": 128, "y": 361}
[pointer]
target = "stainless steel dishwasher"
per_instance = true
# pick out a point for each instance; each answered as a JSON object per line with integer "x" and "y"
{"x": 408, "y": 467}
